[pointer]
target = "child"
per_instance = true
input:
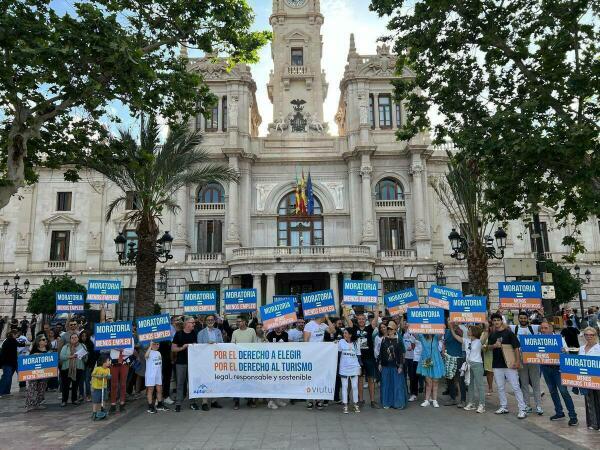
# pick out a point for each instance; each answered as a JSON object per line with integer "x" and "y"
{"x": 153, "y": 378}
{"x": 100, "y": 377}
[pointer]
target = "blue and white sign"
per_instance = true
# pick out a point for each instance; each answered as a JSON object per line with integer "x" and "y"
{"x": 469, "y": 309}
{"x": 318, "y": 304}
{"x": 439, "y": 296}
{"x": 293, "y": 298}
{"x": 360, "y": 292}
{"x": 240, "y": 300}
{"x": 38, "y": 366}
{"x": 278, "y": 314}
{"x": 113, "y": 335}
{"x": 541, "y": 348}
{"x": 103, "y": 291}
{"x": 520, "y": 294}
{"x": 154, "y": 328}
{"x": 69, "y": 302}
{"x": 200, "y": 302}
{"x": 425, "y": 320}
{"x": 399, "y": 302}
{"x": 580, "y": 371}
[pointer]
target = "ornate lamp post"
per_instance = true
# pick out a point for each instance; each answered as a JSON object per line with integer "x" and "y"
{"x": 582, "y": 281}
{"x": 15, "y": 291}
{"x": 440, "y": 278}
{"x": 161, "y": 284}
{"x": 162, "y": 251}
{"x": 460, "y": 245}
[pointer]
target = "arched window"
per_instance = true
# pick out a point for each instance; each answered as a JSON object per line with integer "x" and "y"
{"x": 296, "y": 230}
{"x": 211, "y": 193}
{"x": 389, "y": 189}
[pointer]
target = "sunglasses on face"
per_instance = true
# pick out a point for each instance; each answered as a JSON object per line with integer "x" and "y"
{"x": 589, "y": 335}
{"x": 42, "y": 339}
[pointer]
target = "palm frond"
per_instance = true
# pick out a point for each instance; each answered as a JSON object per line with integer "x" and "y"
{"x": 112, "y": 206}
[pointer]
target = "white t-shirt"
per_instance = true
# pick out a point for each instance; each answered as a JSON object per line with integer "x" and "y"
{"x": 349, "y": 352}
{"x": 377, "y": 345}
{"x": 316, "y": 330}
{"x": 153, "y": 363}
{"x": 474, "y": 354}
{"x": 418, "y": 349}
{"x": 594, "y": 351}
{"x": 295, "y": 335}
{"x": 525, "y": 330}
{"x": 408, "y": 339}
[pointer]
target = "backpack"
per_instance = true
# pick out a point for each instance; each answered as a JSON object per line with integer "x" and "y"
{"x": 528, "y": 326}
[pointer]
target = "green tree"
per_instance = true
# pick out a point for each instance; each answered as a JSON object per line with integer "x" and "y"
{"x": 460, "y": 191}
{"x": 62, "y": 70}
{"x": 154, "y": 171}
{"x": 566, "y": 285}
{"x": 517, "y": 86}
{"x": 43, "y": 299}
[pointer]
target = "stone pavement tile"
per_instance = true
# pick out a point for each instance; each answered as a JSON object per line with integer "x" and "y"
{"x": 304, "y": 443}
{"x": 283, "y": 444}
{"x": 419, "y": 442}
{"x": 247, "y": 443}
{"x": 326, "y": 442}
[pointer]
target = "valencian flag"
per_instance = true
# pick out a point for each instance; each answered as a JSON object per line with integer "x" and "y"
{"x": 310, "y": 209}
{"x": 304, "y": 196}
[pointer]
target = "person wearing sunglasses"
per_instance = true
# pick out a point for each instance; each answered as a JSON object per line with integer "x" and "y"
{"x": 592, "y": 397}
{"x": 34, "y": 395}
{"x": 391, "y": 366}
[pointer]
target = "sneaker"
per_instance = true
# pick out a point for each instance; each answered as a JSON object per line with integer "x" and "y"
{"x": 168, "y": 401}
{"x": 215, "y": 404}
{"x": 425, "y": 403}
{"x": 412, "y": 398}
{"x": 326, "y": 403}
{"x": 522, "y": 415}
{"x": 481, "y": 409}
{"x": 121, "y": 407}
{"x": 151, "y": 410}
{"x": 386, "y": 407}
{"x": 272, "y": 405}
{"x": 281, "y": 403}
{"x": 236, "y": 405}
{"x": 375, "y": 405}
{"x": 361, "y": 402}
{"x": 194, "y": 406}
{"x": 573, "y": 421}
{"x": 539, "y": 411}
{"x": 435, "y": 403}
{"x": 205, "y": 407}
{"x": 501, "y": 410}
{"x": 309, "y": 405}
{"x": 177, "y": 408}
{"x": 319, "y": 405}
{"x": 528, "y": 409}
{"x": 557, "y": 417}
{"x": 345, "y": 409}
{"x": 461, "y": 405}
{"x": 469, "y": 407}
{"x": 356, "y": 408}
{"x": 162, "y": 407}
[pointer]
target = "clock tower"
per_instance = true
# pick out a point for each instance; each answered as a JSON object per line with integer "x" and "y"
{"x": 297, "y": 85}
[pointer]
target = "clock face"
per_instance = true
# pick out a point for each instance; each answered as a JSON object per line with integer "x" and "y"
{"x": 296, "y": 3}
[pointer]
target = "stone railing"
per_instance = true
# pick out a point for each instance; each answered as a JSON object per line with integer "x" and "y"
{"x": 215, "y": 257}
{"x": 298, "y": 70}
{"x": 313, "y": 250}
{"x": 210, "y": 208}
{"x": 390, "y": 204}
{"x": 397, "y": 254}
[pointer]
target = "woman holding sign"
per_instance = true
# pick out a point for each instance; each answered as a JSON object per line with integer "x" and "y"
{"x": 431, "y": 366}
{"x": 34, "y": 395}
{"x": 592, "y": 397}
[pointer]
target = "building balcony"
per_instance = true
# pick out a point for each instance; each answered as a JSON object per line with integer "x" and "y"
{"x": 200, "y": 257}
{"x": 313, "y": 253}
{"x": 390, "y": 205}
{"x": 298, "y": 70}
{"x": 64, "y": 265}
{"x": 210, "y": 208}
{"x": 397, "y": 254}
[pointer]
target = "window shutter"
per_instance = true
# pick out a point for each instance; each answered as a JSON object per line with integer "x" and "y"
{"x": 218, "y": 227}
{"x": 201, "y": 237}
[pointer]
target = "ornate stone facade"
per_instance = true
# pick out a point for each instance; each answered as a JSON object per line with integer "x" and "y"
{"x": 376, "y": 215}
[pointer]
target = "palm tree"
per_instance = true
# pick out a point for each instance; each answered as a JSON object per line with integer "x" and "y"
{"x": 461, "y": 193}
{"x": 154, "y": 172}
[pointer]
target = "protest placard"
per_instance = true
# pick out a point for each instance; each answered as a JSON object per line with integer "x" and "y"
{"x": 439, "y": 296}
{"x": 37, "y": 366}
{"x": 240, "y": 300}
{"x": 200, "y": 302}
{"x": 154, "y": 328}
{"x": 541, "y": 348}
{"x": 360, "y": 292}
{"x": 469, "y": 309}
{"x": 103, "y": 291}
{"x": 278, "y": 314}
{"x": 69, "y": 302}
{"x": 520, "y": 294}
{"x": 580, "y": 371}
{"x": 113, "y": 335}
{"x": 398, "y": 302}
{"x": 425, "y": 320}
{"x": 318, "y": 304}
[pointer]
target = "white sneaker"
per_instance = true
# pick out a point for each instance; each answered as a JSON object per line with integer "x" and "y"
{"x": 168, "y": 401}
{"x": 425, "y": 403}
{"x": 272, "y": 405}
{"x": 281, "y": 403}
{"x": 469, "y": 407}
{"x": 522, "y": 415}
{"x": 539, "y": 410}
{"x": 435, "y": 403}
{"x": 481, "y": 409}
{"x": 501, "y": 410}
{"x": 412, "y": 398}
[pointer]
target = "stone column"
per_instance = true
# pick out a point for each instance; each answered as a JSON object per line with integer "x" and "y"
{"x": 333, "y": 285}
{"x": 233, "y": 236}
{"x": 422, "y": 235}
{"x": 270, "y": 287}
{"x": 257, "y": 284}
{"x": 368, "y": 232}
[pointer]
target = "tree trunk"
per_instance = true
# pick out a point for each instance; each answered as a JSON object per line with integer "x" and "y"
{"x": 477, "y": 268}
{"x": 145, "y": 269}
{"x": 15, "y": 162}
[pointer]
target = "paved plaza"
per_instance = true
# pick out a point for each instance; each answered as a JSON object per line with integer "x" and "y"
{"x": 289, "y": 427}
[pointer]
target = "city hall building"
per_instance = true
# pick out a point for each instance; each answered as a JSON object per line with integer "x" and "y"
{"x": 375, "y": 213}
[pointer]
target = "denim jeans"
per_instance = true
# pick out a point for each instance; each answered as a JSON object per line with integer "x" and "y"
{"x": 6, "y": 380}
{"x": 552, "y": 376}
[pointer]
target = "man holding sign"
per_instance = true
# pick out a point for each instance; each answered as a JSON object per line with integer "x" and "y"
{"x": 210, "y": 335}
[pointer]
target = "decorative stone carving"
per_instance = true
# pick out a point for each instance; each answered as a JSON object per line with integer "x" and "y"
{"x": 415, "y": 169}
{"x": 22, "y": 240}
{"x": 262, "y": 192}
{"x": 368, "y": 227}
{"x": 336, "y": 188}
{"x": 365, "y": 171}
{"x": 420, "y": 227}
{"x": 363, "y": 110}
{"x": 232, "y": 106}
{"x": 94, "y": 240}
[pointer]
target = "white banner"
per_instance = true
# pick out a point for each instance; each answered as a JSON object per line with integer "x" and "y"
{"x": 304, "y": 370}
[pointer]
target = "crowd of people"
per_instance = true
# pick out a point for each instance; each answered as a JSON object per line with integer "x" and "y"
{"x": 375, "y": 352}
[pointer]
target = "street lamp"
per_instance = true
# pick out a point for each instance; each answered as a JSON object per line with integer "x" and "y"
{"x": 16, "y": 291}
{"x": 129, "y": 256}
{"x": 582, "y": 281}
{"x": 460, "y": 245}
{"x": 440, "y": 278}
{"x": 161, "y": 284}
